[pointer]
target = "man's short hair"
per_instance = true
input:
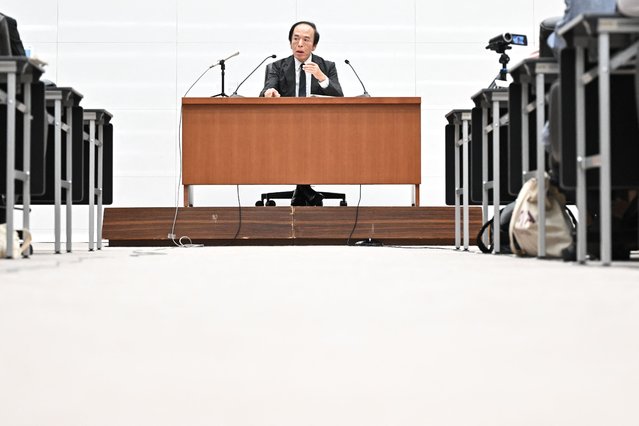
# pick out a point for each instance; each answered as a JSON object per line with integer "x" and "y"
{"x": 312, "y": 25}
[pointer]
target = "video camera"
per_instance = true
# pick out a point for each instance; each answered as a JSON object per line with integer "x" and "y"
{"x": 503, "y": 42}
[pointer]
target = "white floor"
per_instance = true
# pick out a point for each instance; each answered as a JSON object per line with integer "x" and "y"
{"x": 248, "y": 336}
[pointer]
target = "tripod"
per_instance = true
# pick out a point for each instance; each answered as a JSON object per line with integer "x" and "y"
{"x": 501, "y": 76}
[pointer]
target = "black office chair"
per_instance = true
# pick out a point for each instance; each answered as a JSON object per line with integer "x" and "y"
{"x": 546, "y": 28}
{"x": 267, "y": 199}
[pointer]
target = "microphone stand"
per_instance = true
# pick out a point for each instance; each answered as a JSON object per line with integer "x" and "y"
{"x": 222, "y": 68}
{"x": 222, "y": 64}
{"x": 365, "y": 94}
{"x": 234, "y": 94}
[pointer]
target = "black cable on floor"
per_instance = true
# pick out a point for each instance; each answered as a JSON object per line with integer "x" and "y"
{"x": 348, "y": 241}
{"x": 239, "y": 208}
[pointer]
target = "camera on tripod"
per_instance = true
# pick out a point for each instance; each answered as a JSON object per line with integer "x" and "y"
{"x": 500, "y": 44}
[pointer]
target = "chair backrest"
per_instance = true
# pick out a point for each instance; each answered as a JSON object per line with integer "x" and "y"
{"x": 267, "y": 70}
{"x": 546, "y": 28}
{"x": 5, "y": 41}
{"x": 631, "y": 8}
{"x": 10, "y": 43}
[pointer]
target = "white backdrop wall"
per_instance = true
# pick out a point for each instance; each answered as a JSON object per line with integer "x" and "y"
{"x": 137, "y": 59}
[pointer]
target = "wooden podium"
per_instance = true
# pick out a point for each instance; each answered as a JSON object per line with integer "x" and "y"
{"x": 260, "y": 141}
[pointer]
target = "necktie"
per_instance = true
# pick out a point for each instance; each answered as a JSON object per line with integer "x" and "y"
{"x": 302, "y": 89}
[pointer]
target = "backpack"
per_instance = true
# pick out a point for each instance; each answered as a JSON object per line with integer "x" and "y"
{"x": 524, "y": 226}
{"x": 18, "y": 249}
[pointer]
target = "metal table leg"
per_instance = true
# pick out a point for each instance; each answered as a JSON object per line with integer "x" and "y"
{"x": 100, "y": 182}
{"x": 57, "y": 174}
{"x": 457, "y": 188}
{"x": 465, "y": 180}
{"x": 91, "y": 184}
{"x": 11, "y": 158}
{"x": 541, "y": 168}
{"x": 604, "y": 148}
{"x": 580, "y": 115}
{"x": 496, "y": 177}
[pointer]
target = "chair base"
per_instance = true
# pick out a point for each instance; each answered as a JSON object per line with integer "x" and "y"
{"x": 267, "y": 198}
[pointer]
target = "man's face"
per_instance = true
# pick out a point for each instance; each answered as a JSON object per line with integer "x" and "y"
{"x": 302, "y": 42}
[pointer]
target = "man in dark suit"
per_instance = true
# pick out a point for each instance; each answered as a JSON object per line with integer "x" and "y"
{"x": 303, "y": 74}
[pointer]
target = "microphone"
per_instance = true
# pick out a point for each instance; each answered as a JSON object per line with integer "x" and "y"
{"x": 366, "y": 94}
{"x": 234, "y": 94}
{"x": 221, "y": 61}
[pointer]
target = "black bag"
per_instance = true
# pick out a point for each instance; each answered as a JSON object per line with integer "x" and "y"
{"x": 3, "y": 209}
{"x": 504, "y": 238}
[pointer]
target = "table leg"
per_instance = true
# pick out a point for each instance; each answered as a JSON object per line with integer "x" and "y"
{"x": 188, "y": 195}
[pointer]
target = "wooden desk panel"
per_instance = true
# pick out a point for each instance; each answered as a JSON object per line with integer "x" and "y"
{"x": 256, "y": 141}
{"x": 142, "y": 226}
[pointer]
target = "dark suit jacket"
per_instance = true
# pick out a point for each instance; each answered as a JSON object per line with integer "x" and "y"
{"x": 282, "y": 77}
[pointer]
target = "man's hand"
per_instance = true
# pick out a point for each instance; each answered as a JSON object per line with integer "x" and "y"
{"x": 314, "y": 69}
{"x": 272, "y": 93}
